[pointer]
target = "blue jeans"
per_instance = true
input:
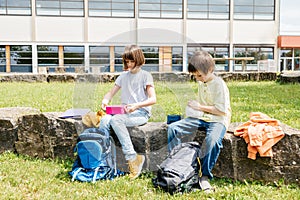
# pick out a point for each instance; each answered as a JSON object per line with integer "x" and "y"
{"x": 211, "y": 146}
{"x": 119, "y": 124}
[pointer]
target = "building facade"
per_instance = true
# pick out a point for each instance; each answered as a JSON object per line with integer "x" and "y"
{"x": 90, "y": 35}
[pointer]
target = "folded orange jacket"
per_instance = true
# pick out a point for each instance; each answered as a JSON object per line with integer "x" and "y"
{"x": 260, "y": 133}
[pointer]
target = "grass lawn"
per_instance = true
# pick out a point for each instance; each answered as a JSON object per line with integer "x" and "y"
{"x": 278, "y": 101}
{"x": 22, "y": 177}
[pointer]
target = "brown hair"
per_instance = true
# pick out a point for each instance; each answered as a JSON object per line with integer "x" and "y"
{"x": 201, "y": 61}
{"x": 135, "y": 53}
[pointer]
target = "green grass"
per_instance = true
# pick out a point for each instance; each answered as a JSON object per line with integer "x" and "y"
{"x": 278, "y": 101}
{"x": 22, "y": 177}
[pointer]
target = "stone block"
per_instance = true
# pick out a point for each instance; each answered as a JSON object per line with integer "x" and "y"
{"x": 285, "y": 163}
{"x": 9, "y": 118}
{"x": 44, "y": 135}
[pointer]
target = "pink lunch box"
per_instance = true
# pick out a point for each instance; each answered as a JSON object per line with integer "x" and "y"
{"x": 117, "y": 109}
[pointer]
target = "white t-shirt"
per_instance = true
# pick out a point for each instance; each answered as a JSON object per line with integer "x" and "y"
{"x": 133, "y": 87}
{"x": 215, "y": 93}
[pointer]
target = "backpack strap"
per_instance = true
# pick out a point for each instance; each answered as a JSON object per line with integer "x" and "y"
{"x": 76, "y": 172}
{"x": 95, "y": 174}
{"x": 200, "y": 171}
{"x": 114, "y": 154}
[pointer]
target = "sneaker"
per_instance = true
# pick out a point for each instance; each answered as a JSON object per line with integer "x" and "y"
{"x": 135, "y": 166}
{"x": 205, "y": 185}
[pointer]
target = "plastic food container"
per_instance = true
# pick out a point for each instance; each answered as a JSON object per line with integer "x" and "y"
{"x": 117, "y": 109}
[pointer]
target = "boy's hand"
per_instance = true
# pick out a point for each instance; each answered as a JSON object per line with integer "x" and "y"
{"x": 194, "y": 104}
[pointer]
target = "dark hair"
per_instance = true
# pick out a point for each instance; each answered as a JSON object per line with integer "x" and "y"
{"x": 135, "y": 53}
{"x": 201, "y": 61}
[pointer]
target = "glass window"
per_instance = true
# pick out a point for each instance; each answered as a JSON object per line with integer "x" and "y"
{"x": 297, "y": 52}
{"x": 100, "y": 57}
{"x": 177, "y": 59}
{"x": 296, "y": 64}
{"x": 73, "y": 56}
{"x": 254, "y": 9}
{"x": 111, "y": 8}
{"x": 2, "y": 59}
{"x": 20, "y": 58}
{"x": 60, "y": 7}
{"x": 151, "y": 58}
{"x": 266, "y": 53}
{"x": 215, "y": 52}
{"x": 286, "y": 53}
{"x": 208, "y": 9}
{"x": 160, "y": 9}
{"x": 119, "y": 50}
{"x": 47, "y": 56}
{"x": 15, "y": 7}
{"x": 258, "y": 53}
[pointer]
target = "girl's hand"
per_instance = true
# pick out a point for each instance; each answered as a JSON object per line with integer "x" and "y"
{"x": 194, "y": 104}
{"x": 104, "y": 104}
{"x": 130, "y": 108}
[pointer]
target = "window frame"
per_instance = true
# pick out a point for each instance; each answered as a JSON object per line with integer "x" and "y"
{"x": 215, "y": 51}
{"x": 44, "y": 58}
{"x": 151, "y": 50}
{"x": 248, "y": 52}
{"x": 21, "y": 55}
{"x": 252, "y": 15}
{"x": 60, "y": 9}
{"x": 177, "y": 57}
{"x": 161, "y": 11}
{"x": 97, "y": 56}
{"x": 9, "y": 8}
{"x": 207, "y": 10}
{"x": 111, "y": 10}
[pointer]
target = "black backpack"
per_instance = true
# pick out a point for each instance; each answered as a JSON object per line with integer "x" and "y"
{"x": 96, "y": 157}
{"x": 181, "y": 170}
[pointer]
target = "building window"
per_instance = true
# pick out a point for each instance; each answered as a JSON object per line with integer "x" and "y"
{"x": 60, "y": 7}
{"x": 2, "y": 59}
{"x": 254, "y": 9}
{"x": 99, "y": 59}
{"x": 289, "y": 59}
{"x": 151, "y": 58}
{"x": 218, "y": 52}
{"x": 20, "y": 58}
{"x": 258, "y": 53}
{"x": 15, "y": 7}
{"x": 48, "y": 56}
{"x": 296, "y": 59}
{"x": 119, "y": 50}
{"x": 161, "y": 9}
{"x": 177, "y": 59}
{"x": 73, "y": 57}
{"x": 208, "y": 9}
{"x": 111, "y": 8}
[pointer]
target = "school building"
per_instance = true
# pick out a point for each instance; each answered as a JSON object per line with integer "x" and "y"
{"x": 89, "y": 36}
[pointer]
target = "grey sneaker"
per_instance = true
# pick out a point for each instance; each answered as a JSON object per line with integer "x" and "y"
{"x": 205, "y": 185}
{"x": 135, "y": 166}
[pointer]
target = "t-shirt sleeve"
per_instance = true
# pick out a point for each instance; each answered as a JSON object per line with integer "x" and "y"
{"x": 222, "y": 98}
{"x": 149, "y": 80}
{"x": 118, "y": 81}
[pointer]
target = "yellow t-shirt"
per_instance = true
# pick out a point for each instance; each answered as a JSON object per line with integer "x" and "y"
{"x": 215, "y": 93}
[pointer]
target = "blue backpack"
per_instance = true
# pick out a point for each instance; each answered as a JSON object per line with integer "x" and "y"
{"x": 96, "y": 157}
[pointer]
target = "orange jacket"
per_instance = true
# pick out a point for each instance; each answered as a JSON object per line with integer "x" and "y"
{"x": 260, "y": 133}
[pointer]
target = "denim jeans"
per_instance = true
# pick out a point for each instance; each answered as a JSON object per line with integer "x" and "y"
{"x": 119, "y": 124}
{"x": 211, "y": 145}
